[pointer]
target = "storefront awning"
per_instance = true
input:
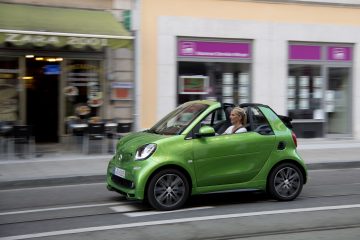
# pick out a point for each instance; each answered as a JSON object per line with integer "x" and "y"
{"x": 59, "y": 27}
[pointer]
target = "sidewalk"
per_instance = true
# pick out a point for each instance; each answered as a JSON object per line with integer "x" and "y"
{"x": 55, "y": 168}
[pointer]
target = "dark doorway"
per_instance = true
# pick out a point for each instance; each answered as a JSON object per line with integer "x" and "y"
{"x": 42, "y": 99}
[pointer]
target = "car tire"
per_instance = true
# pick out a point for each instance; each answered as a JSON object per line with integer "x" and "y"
{"x": 285, "y": 182}
{"x": 168, "y": 190}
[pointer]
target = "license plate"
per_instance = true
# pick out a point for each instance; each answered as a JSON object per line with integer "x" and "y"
{"x": 119, "y": 172}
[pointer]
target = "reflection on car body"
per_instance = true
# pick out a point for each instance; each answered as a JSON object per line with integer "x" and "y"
{"x": 185, "y": 154}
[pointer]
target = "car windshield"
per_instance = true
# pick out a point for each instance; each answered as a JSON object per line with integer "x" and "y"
{"x": 176, "y": 121}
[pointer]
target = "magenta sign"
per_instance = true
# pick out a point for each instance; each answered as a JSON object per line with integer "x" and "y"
{"x": 312, "y": 52}
{"x": 304, "y": 52}
{"x": 336, "y": 53}
{"x": 214, "y": 49}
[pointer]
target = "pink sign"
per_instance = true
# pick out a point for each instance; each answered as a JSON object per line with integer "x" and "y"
{"x": 304, "y": 52}
{"x": 214, "y": 49}
{"x": 335, "y": 53}
{"x": 311, "y": 53}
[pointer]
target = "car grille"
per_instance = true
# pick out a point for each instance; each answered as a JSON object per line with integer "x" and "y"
{"x": 122, "y": 182}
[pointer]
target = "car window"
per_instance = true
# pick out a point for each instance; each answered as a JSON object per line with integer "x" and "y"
{"x": 176, "y": 121}
{"x": 214, "y": 118}
{"x": 258, "y": 122}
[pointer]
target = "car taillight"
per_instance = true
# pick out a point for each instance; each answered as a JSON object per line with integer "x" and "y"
{"x": 294, "y": 138}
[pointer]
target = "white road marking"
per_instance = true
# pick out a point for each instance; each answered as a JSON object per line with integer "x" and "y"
{"x": 147, "y": 213}
{"x": 58, "y": 208}
{"x": 179, "y": 220}
{"x": 125, "y": 208}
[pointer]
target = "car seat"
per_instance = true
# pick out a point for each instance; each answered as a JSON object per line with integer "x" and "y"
{"x": 221, "y": 127}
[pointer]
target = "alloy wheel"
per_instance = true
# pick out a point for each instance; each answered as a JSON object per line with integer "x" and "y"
{"x": 287, "y": 182}
{"x": 169, "y": 190}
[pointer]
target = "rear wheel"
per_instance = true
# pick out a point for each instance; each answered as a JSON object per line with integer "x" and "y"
{"x": 285, "y": 182}
{"x": 168, "y": 190}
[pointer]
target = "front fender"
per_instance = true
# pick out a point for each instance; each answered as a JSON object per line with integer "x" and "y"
{"x": 145, "y": 177}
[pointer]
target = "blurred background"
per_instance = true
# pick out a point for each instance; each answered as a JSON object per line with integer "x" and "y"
{"x": 77, "y": 75}
{"x": 124, "y": 63}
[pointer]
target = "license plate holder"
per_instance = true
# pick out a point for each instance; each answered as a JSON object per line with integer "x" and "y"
{"x": 119, "y": 172}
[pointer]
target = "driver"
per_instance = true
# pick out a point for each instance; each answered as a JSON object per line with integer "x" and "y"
{"x": 238, "y": 121}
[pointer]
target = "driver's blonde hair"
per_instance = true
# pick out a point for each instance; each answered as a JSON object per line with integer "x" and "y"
{"x": 241, "y": 113}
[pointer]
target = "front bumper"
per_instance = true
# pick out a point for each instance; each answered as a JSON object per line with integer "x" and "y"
{"x": 133, "y": 183}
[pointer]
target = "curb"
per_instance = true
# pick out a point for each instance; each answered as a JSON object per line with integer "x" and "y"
{"x": 49, "y": 182}
{"x": 333, "y": 165}
{"x": 101, "y": 178}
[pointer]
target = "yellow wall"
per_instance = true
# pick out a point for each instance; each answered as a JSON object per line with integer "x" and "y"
{"x": 220, "y": 9}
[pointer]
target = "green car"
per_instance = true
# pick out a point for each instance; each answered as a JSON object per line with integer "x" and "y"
{"x": 185, "y": 154}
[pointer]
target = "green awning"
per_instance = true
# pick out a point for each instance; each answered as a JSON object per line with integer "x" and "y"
{"x": 41, "y": 26}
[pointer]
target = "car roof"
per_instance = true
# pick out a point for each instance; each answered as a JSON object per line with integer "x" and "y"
{"x": 253, "y": 105}
{"x": 245, "y": 105}
{"x": 212, "y": 102}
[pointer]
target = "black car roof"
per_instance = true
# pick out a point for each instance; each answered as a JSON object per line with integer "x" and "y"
{"x": 245, "y": 105}
{"x": 253, "y": 105}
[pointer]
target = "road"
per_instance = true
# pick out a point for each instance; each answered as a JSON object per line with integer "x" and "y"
{"x": 328, "y": 208}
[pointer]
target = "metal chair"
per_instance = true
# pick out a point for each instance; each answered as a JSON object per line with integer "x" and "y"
{"x": 110, "y": 131}
{"x": 5, "y": 134}
{"x": 21, "y": 143}
{"x": 95, "y": 132}
{"x": 122, "y": 129}
{"x": 75, "y": 130}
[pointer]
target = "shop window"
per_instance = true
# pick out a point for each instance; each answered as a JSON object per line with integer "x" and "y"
{"x": 83, "y": 89}
{"x": 224, "y": 82}
{"x": 305, "y": 92}
{"x": 9, "y": 85}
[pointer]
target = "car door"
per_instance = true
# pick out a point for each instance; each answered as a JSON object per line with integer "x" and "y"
{"x": 229, "y": 159}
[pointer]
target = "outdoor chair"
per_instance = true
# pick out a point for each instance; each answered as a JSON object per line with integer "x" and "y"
{"x": 21, "y": 143}
{"x": 95, "y": 134}
{"x": 75, "y": 129}
{"x": 122, "y": 129}
{"x": 5, "y": 134}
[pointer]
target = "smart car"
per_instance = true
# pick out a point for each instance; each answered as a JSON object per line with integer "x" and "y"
{"x": 186, "y": 154}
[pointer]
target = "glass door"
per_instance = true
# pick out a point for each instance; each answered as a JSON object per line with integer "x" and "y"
{"x": 338, "y": 100}
{"x": 42, "y": 100}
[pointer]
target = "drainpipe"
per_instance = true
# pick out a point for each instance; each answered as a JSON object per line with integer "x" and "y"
{"x": 135, "y": 25}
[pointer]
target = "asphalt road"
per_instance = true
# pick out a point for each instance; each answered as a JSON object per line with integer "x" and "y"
{"x": 328, "y": 208}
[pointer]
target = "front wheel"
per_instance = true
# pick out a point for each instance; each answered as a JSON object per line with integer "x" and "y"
{"x": 168, "y": 190}
{"x": 285, "y": 182}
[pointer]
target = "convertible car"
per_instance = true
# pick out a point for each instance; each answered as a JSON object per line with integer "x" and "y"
{"x": 185, "y": 154}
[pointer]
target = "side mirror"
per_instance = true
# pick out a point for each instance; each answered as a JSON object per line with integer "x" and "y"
{"x": 206, "y": 131}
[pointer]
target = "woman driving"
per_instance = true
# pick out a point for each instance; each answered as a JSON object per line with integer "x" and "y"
{"x": 238, "y": 121}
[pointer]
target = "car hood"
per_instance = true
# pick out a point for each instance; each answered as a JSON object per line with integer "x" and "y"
{"x": 130, "y": 143}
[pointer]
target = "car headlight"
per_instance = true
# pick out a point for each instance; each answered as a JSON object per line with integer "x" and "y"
{"x": 145, "y": 151}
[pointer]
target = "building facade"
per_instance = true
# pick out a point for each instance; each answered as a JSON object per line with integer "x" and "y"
{"x": 299, "y": 57}
{"x": 61, "y": 60}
